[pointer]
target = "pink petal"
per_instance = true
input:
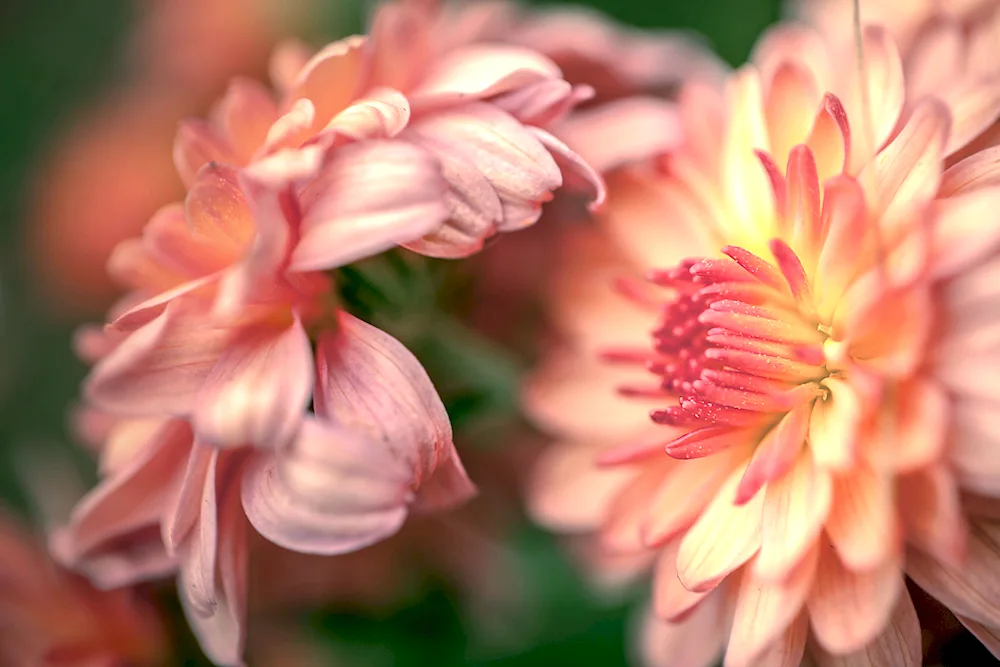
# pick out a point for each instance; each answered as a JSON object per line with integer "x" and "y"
{"x": 401, "y": 37}
{"x": 830, "y": 139}
{"x": 332, "y": 77}
{"x": 704, "y": 560}
{"x": 766, "y": 610}
{"x": 132, "y": 558}
{"x": 981, "y": 169}
{"x": 833, "y": 428}
{"x": 381, "y": 114}
{"x": 899, "y": 645}
{"x": 161, "y": 367}
{"x": 332, "y": 491}
{"x": 577, "y": 174}
{"x": 625, "y": 516}
{"x": 795, "y": 509}
{"x": 959, "y": 219}
{"x": 287, "y": 60}
{"x": 931, "y": 513}
{"x": 544, "y": 102}
{"x": 517, "y": 165}
{"x": 258, "y": 391}
{"x": 196, "y": 145}
{"x": 368, "y": 380}
{"x": 850, "y": 609}
{"x": 216, "y": 607}
{"x": 480, "y": 71}
{"x": 169, "y": 238}
{"x": 291, "y": 129}
{"x": 777, "y": 452}
{"x": 199, "y": 551}
{"x": 862, "y": 524}
{"x": 886, "y": 93}
{"x": 597, "y": 134}
{"x": 989, "y": 636}
{"x": 787, "y": 650}
{"x": 974, "y": 107}
{"x": 182, "y": 512}
{"x": 971, "y": 589}
{"x": 217, "y": 211}
{"x": 695, "y": 642}
{"x": 907, "y": 172}
{"x": 371, "y": 197}
{"x": 246, "y": 113}
{"x": 568, "y": 492}
{"x": 671, "y": 601}
{"x": 793, "y": 89}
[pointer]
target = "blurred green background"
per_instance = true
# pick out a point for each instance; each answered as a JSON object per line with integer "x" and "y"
{"x": 60, "y": 56}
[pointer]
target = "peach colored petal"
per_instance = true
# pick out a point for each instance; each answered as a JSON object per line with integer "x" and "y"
{"x": 981, "y": 169}
{"x": 845, "y": 218}
{"x": 934, "y": 58}
{"x": 971, "y": 589}
{"x": 777, "y": 452}
{"x": 196, "y": 145}
{"x": 883, "y": 75}
{"x": 958, "y": 219}
{"x": 182, "y": 510}
{"x": 381, "y": 114}
{"x": 133, "y": 497}
{"x": 480, "y": 71}
{"x": 292, "y": 128}
{"x": 704, "y": 560}
{"x": 568, "y": 492}
{"x": 862, "y": 524}
{"x": 134, "y": 557}
{"x": 368, "y": 381}
{"x": 833, "y": 428}
{"x": 695, "y": 642}
{"x": 287, "y": 60}
{"x": 372, "y": 196}
{"x": 766, "y": 610}
{"x": 975, "y": 449}
{"x": 791, "y": 90}
{"x": 671, "y": 601}
{"x": 702, "y": 116}
{"x": 331, "y": 79}
{"x": 931, "y": 513}
{"x": 217, "y": 211}
{"x": 331, "y": 491}
{"x": 246, "y": 113}
{"x": 850, "y": 609}
{"x": 793, "y": 42}
{"x": 795, "y": 509}
{"x": 683, "y": 493}
{"x": 830, "y": 139}
{"x": 596, "y": 133}
{"x": 908, "y": 170}
{"x": 974, "y": 108}
{"x": 576, "y": 397}
{"x": 169, "y": 239}
{"x": 161, "y": 367}
{"x": 199, "y": 552}
{"x": 136, "y": 315}
{"x": 788, "y": 649}
{"x": 258, "y": 390}
{"x": 915, "y": 434}
{"x": 898, "y": 646}
{"x": 621, "y": 532}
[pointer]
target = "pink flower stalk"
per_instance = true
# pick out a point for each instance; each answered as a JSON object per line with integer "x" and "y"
{"x": 49, "y": 617}
{"x": 813, "y": 342}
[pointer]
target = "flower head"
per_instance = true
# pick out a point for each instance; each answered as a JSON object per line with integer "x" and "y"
{"x": 799, "y": 252}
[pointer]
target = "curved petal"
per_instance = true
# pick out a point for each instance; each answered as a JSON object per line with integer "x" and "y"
{"x": 332, "y": 491}
{"x": 577, "y": 174}
{"x": 369, "y": 381}
{"x": 480, "y": 71}
{"x": 332, "y": 77}
{"x": 381, "y": 114}
{"x": 197, "y": 144}
{"x": 246, "y": 113}
{"x": 258, "y": 391}
{"x": 371, "y": 197}
{"x": 695, "y": 642}
{"x": 898, "y": 645}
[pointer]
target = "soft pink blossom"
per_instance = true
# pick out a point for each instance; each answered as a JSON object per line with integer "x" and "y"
{"x": 51, "y": 617}
{"x": 813, "y": 342}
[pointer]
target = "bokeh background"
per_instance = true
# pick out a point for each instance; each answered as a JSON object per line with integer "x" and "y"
{"x": 92, "y": 90}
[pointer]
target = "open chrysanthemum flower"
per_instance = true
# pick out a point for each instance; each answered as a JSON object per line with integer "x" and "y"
{"x": 810, "y": 341}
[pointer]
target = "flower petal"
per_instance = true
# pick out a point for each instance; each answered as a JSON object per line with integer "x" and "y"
{"x": 369, "y": 381}
{"x": 196, "y": 145}
{"x": 371, "y": 197}
{"x": 850, "y": 609}
{"x": 381, "y": 114}
{"x": 899, "y": 645}
{"x": 246, "y": 113}
{"x": 259, "y": 389}
{"x": 695, "y": 642}
{"x": 332, "y": 491}
{"x": 332, "y": 77}
{"x": 833, "y": 428}
{"x": 480, "y": 71}
{"x": 704, "y": 560}
{"x": 577, "y": 174}
{"x": 862, "y": 524}
{"x": 959, "y": 219}
{"x": 981, "y": 169}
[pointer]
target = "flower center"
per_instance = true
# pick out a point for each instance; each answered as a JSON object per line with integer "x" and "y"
{"x": 739, "y": 345}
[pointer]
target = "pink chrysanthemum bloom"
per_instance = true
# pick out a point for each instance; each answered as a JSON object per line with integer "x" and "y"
{"x": 813, "y": 340}
{"x": 480, "y": 109}
{"x": 51, "y": 618}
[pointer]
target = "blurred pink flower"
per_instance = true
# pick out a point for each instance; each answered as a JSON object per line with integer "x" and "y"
{"x": 110, "y": 169}
{"x": 49, "y": 617}
{"x": 818, "y": 328}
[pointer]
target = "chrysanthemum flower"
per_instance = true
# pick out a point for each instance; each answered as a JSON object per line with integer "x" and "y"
{"x": 50, "y": 617}
{"x": 812, "y": 340}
